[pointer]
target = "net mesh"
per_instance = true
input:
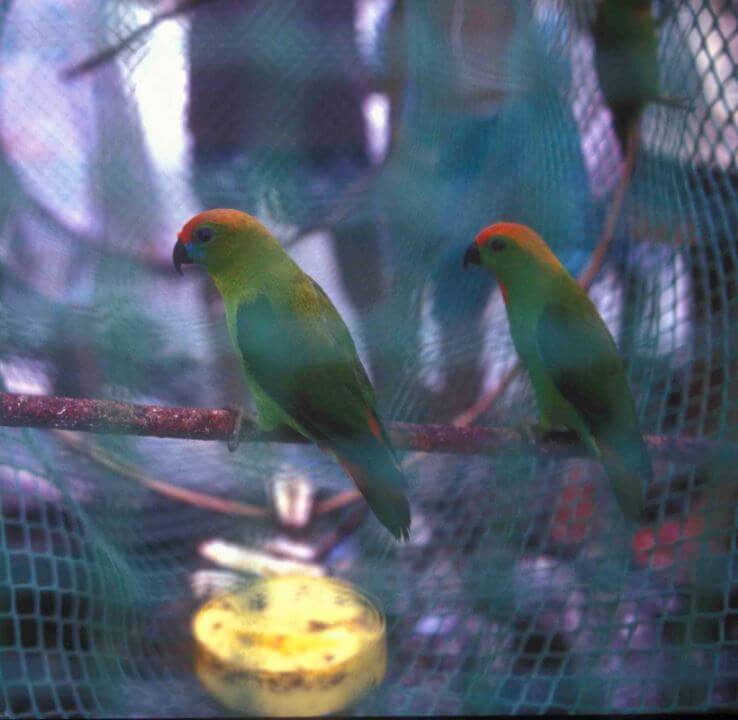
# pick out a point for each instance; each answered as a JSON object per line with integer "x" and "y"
{"x": 375, "y": 138}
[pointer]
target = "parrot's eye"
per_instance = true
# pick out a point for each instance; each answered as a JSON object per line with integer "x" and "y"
{"x": 497, "y": 244}
{"x": 204, "y": 234}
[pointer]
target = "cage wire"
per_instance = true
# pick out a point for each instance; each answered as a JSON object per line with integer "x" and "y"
{"x": 375, "y": 138}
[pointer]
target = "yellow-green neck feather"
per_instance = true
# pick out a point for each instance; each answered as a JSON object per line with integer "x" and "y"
{"x": 527, "y": 273}
{"x": 244, "y": 262}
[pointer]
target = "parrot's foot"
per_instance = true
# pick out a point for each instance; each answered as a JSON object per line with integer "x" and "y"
{"x": 241, "y": 414}
{"x": 536, "y": 433}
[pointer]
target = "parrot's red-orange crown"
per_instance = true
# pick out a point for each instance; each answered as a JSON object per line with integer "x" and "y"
{"x": 516, "y": 231}
{"x": 218, "y": 216}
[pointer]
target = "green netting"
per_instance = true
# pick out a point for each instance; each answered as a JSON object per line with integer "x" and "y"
{"x": 523, "y": 589}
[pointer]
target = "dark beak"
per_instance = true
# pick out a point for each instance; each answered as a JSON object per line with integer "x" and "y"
{"x": 472, "y": 256}
{"x": 180, "y": 257}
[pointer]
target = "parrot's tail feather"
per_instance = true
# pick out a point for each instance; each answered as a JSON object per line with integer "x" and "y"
{"x": 629, "y": 469}
{"x": 380, "y": 482}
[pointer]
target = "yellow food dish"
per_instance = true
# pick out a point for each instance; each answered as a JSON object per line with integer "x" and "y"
{"x": 293, "y": 645}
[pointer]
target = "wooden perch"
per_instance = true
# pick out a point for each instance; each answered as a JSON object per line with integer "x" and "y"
{"x": 107, "y": 416}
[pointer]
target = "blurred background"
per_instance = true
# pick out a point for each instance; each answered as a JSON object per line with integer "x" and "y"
{"x": 374, "y": 138}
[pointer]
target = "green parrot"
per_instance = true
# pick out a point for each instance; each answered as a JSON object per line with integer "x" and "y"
{"x": 625, "y": 34}
{"x": 573, "y": 363}
{"x": 298, "y": 357}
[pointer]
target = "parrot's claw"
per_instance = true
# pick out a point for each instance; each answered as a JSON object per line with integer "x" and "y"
{"x": 536, "y": 434}
{"x": 241, "y": 414}
{"x": 531, "y": 433}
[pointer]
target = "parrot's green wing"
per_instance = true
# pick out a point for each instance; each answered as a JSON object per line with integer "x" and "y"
{"x": 301, "y": 354}
{"x": 583, "y": 363}
{"x": 582, "y": 360}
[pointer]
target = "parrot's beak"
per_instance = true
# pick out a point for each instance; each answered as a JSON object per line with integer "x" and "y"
{"x": 472, "y": 256}
{"x": 180, "y": 257}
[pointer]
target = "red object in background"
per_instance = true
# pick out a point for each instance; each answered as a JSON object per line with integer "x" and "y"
{"x": 574, "y": 514}
{"x": 672, "y": 541}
